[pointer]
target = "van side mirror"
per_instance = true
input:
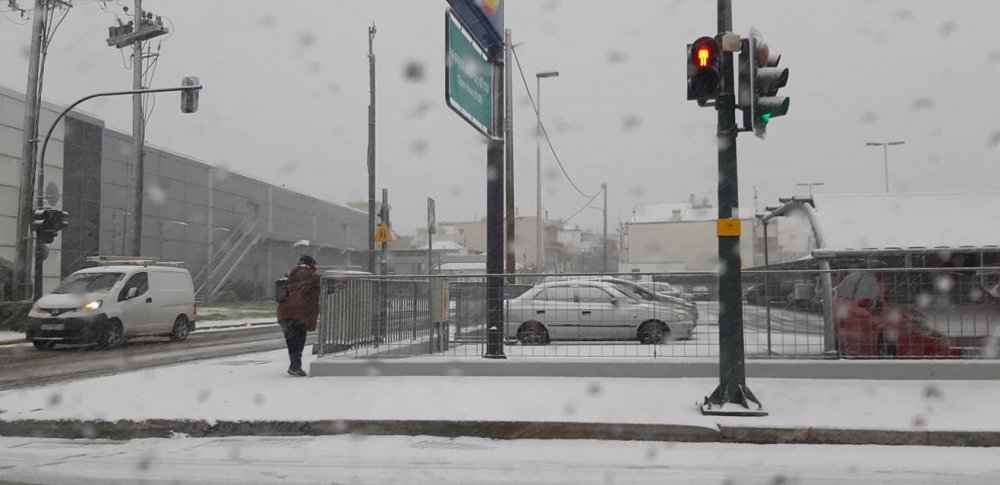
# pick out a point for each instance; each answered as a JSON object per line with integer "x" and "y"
{"x": 615, "y": 301}
{"x": 132, "y": 292}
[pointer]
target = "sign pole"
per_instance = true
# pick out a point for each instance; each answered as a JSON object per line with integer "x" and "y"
{"x": 495, "y": 229}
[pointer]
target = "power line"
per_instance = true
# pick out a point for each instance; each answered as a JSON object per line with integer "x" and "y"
{"x": 545, "y": 132}
{"x": 587, "y": 204}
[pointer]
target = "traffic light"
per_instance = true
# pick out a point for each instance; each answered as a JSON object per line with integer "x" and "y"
{"x": 47, "y": 223}
{"x": 704, "y": 74}
{"x": 760, "y": 80}
{"x": 189, "y": 97}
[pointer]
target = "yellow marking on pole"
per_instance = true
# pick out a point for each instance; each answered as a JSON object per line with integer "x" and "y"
{"x": 728, "y": 228}
{"x": 383, "y": 234}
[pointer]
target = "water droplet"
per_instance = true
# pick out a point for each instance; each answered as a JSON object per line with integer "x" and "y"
{"x": 948, "y": 28}
{"x": 595, "y": 389}
{"x": 617, "y": 57}
{"x": 904, "y": 14}
{"x": 456, "y": 191}
{"x": 413, "y": 71}
{"x": 994, "y": 141}
{"x": 266, "y": 21}
{"x": 919, "y": 421}
{"x": 55, "y": 399}
{"x": 631, "y": 122}
{"x": 307, "y": 40}
{"x": 419, "y": 147}
{"x": 932, "y": 391}
{"x": 258, "y": 399}
{"x": 204, "y": 394}
{"x": 923, "y": 103}
{"x": 944, "y": 283}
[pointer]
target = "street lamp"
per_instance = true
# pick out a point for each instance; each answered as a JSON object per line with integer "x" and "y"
{"x": 163, "y": 228}
{"x": 885, "y": 153}
{"x": 538, "y": 166}
{"x": 810, "y": 185}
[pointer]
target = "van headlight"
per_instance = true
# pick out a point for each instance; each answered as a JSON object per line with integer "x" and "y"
{"x": 93, "y": 306}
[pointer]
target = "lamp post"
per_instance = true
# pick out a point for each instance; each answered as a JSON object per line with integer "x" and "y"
{"x": 163, "y": 228}
{"x": 885, "y": 155}
{"x": 540, "y": 236}
{"x": 810, "y": 185}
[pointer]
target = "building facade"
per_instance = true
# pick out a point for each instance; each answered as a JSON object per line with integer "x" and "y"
{"x": 221, "y": 225}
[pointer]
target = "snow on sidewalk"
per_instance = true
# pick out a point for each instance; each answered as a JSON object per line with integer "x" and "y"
{"x": 255, "y": 387}
{"x": 442, "y": 461}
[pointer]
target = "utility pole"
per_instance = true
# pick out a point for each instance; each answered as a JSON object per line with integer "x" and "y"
{"x": 371, "y": 150}
{"x": 604, "y": 242}
{"x": 30, "y": 147}
{"x": 509, "y": 217}
{"x": 138, "y": 137}
{"x": 539, "y": 226}
{"x": 732, "y": 387}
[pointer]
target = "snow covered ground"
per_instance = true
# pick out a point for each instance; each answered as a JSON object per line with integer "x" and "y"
{"x": 7, "y": 335}
{"x": 442, "y": 461}
{"x": 255, "y": 387}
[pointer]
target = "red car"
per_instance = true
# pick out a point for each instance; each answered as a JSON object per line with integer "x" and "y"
{"x": 911, "y": 313}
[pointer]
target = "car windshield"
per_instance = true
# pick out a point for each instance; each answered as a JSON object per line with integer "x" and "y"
{"x": 81, "y": 283}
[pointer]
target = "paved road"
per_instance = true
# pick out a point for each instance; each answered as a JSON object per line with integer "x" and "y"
{"x": 24, "y": 366}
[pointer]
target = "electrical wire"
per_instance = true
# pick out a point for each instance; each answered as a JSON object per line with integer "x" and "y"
{"x": 545, "y": 132}
{"x": 24, "y": 18}
{"x": 587, "y": 204}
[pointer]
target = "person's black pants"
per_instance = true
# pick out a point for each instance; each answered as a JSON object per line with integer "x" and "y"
{"x": 295, "y": 338}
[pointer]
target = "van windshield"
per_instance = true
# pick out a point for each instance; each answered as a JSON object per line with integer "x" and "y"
{"x": 80, "y": 283}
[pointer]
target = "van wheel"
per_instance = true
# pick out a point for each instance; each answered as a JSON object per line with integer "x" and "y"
{"x": 886, "y": 348}
{"x": 112, "y": 336}
{"x": 181, "y": 329}
{"x": 44, "y": 345}
{"x": 653, "y": 332}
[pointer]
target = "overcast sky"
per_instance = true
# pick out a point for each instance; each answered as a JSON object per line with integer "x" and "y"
{"x": 286, "y": 94}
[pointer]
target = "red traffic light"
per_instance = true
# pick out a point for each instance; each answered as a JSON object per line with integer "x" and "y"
{"x": 705, "y": 53}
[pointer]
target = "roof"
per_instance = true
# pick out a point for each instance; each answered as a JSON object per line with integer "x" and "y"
{"x": 128, "y": 268}
{"x": 686, "y": 212}
{"x": 909, "y": 220}
{"x": 446, "y": 245}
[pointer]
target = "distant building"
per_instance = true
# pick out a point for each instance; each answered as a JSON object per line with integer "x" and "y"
{"x": 683, "y": 237}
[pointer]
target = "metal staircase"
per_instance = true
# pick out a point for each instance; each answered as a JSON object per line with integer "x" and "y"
{"x": 214, "y": 277}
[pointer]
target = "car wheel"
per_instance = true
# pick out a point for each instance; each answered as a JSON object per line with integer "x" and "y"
{"x": 533, "y": 333}
{"x": 886, "y": 348}
{"x": 181, "y": 329}
{"x": 653, "y": 332}
{"x": 44, "y": 344}
{"x": 112, "y": 337}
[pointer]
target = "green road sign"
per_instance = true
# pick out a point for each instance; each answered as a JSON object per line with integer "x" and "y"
{"x": 468, "y": 78}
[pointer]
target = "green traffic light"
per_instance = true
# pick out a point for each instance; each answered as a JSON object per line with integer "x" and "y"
{"x": 765, "y": 117}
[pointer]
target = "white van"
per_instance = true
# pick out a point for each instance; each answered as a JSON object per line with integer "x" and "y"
{"x": 108, "y": 304}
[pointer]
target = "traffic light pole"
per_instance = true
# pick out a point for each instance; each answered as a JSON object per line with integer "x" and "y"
{"x": 37, "y": 290}
{"x": 732, "y": 387}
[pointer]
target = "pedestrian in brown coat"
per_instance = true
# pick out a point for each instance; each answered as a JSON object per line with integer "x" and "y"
{"x": 298, "y": 312}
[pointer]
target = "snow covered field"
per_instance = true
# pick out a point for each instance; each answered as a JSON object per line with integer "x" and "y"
{"x": 255, "y": 387}
{"x": 442, "y": 461}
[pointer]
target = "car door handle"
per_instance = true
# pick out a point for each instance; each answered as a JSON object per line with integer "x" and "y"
{"x": 586, "y": 312}
{"x": 149, "y": 300}
{"x": 540, "y": 312}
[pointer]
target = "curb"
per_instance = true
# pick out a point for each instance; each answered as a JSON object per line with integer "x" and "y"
{"x": 505, "y": 430}
{"x": 13, "y": 342}
{"x": 240, "y": 325}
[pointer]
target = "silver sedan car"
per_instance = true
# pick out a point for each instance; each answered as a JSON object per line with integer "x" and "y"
{"x": 591, "y": 310}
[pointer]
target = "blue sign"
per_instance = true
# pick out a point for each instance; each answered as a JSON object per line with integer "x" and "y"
{"x": 484, "y": 21}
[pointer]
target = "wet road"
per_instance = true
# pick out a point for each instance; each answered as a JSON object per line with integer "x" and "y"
{"x": 23, "y": 366}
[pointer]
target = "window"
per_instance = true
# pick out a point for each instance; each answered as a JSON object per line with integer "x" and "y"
{"x": 140, "y": 281}
{"x": 867, "y": 288}
{"x": 593, "y": 294}
{"x": 558, "y": 293}
{"x": 88, "y": 283}
{"x": 848, "y": 286}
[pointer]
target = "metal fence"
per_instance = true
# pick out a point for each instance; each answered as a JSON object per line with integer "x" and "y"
{"x": 870, "y": 313}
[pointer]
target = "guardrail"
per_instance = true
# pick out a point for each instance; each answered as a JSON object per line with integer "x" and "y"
{"x": 871, "y": 313}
